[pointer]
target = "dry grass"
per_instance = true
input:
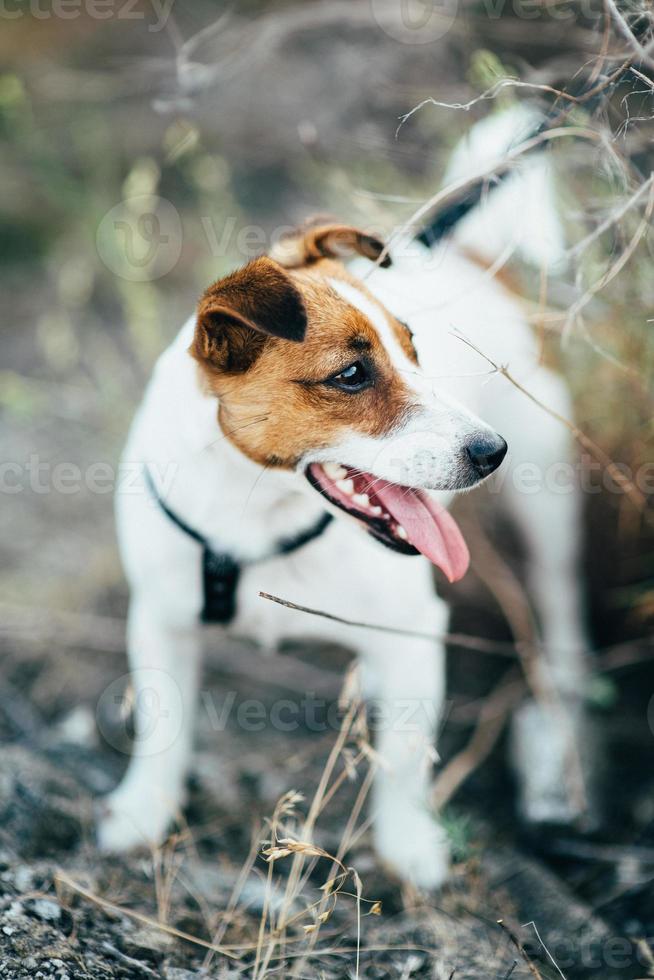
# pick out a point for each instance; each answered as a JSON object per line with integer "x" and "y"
{"x": 283, "y": 934}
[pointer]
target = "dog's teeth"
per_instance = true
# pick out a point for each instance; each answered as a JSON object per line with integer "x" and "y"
{"x": 334, "y": 471}
{"x": 401, "y": 533}
{"x": 376, "y": 511}
{"x": 361, "y": 499}
{"x": 347, "y": 486}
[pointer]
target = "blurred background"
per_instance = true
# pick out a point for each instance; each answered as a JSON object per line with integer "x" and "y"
{"x": 148, "y": 148}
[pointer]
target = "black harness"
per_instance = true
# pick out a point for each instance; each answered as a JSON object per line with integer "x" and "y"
{"x": 220, "y": 572}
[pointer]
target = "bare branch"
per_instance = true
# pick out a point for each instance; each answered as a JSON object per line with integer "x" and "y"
{"x": 638, "y": 499}
{"x": 642, "y": 53}
{"x": 457, "y": 639}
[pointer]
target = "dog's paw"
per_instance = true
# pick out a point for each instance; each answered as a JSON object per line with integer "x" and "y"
{"x": 554, "y": 758}
{"x": 126, "y": 820}
{"x": 413, "y": 845}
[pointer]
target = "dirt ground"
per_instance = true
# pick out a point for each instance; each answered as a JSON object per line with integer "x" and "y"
{"x": 295, "y": 119}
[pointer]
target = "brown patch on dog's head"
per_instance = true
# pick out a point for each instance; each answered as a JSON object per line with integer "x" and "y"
{"x": 272, "y": 344}
{"x": 404, "y": 336}
{"x": 322, "y": 238}
{"x": 238, "y": 313}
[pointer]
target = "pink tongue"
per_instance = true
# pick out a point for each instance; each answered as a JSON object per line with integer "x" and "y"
{"x": 429, "y": 527}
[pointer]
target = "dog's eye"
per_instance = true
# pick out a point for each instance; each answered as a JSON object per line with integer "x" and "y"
{"x": 353, "y": 378}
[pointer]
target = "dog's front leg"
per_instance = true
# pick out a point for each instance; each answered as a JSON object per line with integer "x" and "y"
{"x": 408, "y": 679}
{"x": 164, "y": 662}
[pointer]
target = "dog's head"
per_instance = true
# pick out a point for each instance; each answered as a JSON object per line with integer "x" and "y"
{"x": 314, "y": 375}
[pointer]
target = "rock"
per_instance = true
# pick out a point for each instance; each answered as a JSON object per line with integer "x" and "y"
{"x": 214, "y": 784}
{"x": 42, "y": 809}
{"x": 174, "y": 973}
{"x": 579, "y": 940}
{"x": 78, "y": 727}
{"x": 154, "y": 942}
{"x": 46, "y": 909}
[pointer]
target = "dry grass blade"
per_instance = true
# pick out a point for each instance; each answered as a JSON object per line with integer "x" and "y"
{"x": 63, "y": 881}
{"x": 616, "y": 215}
{"x": 636, "y": 496}
{"x": 273, "y": 935}
{"x": 494, "y": 714}
{"x": 610, "y": 658}
{"x": 478, "y": 643}
{"x": 339, "y": 879}
{"x": 617, "y": 266}
{"x": 246, "y": 868}
{"x": 533, "y": 969}
{"x": 641, "y": 53}
{"x": 497, "y": 169}
{"x": 549, "y": 955}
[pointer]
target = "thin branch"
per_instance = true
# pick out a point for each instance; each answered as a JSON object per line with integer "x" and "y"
{"x": 494, "y": 714}
{"x": 638, "y": 499}
{"x": 458, "y": 639}
{"x": 642, "y": 53}
{"x": 550, "y": 957}
{"x": 612, "y": 219}
{"x": 62, "y": 879}
{"x": 496, "y": 169}
{"x": 533, "y": 969}
{"x": 485, "y": 96}
{"x": 617, "y": 266}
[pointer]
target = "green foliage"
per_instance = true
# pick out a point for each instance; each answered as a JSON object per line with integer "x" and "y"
{"x": 460, "y": 831}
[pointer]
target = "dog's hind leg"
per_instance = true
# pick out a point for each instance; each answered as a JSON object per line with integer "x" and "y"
{"x": 541, "y": 490}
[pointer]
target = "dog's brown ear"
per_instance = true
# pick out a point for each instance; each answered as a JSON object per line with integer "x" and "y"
{"x": 323, "y": 240}
{"x": 238, "y": 313}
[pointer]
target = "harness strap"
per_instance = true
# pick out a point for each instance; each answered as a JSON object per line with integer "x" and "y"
{"x": 220, "y": 572}
{"x": 182, "y": 525}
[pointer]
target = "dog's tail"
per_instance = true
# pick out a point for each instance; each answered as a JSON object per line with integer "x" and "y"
{"x": 516, "y": 209}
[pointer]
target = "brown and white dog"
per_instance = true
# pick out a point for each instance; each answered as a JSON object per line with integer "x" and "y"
{"x": 304, "y": 386}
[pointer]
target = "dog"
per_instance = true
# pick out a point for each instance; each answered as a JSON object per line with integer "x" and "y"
{"x": 319, "y": 413}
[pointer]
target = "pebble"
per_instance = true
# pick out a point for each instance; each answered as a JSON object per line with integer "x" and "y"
{"x": 46, "y": 909}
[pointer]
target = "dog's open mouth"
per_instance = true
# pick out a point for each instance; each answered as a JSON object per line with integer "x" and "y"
{"x": 407, "y": 520}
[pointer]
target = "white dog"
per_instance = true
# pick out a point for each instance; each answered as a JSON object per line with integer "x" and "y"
{"x": 306, "y": 390}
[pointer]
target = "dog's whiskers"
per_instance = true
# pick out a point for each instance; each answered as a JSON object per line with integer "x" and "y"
{"x": 252, "y": 420}
{"x": 254, "y": 486}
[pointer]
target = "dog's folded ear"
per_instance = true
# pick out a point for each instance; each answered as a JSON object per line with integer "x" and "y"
{"x": 322, "y": 240}
{"x": 237, "y": 314}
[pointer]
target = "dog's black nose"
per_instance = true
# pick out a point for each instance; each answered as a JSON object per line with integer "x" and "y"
{"x": 486, "y": 453}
